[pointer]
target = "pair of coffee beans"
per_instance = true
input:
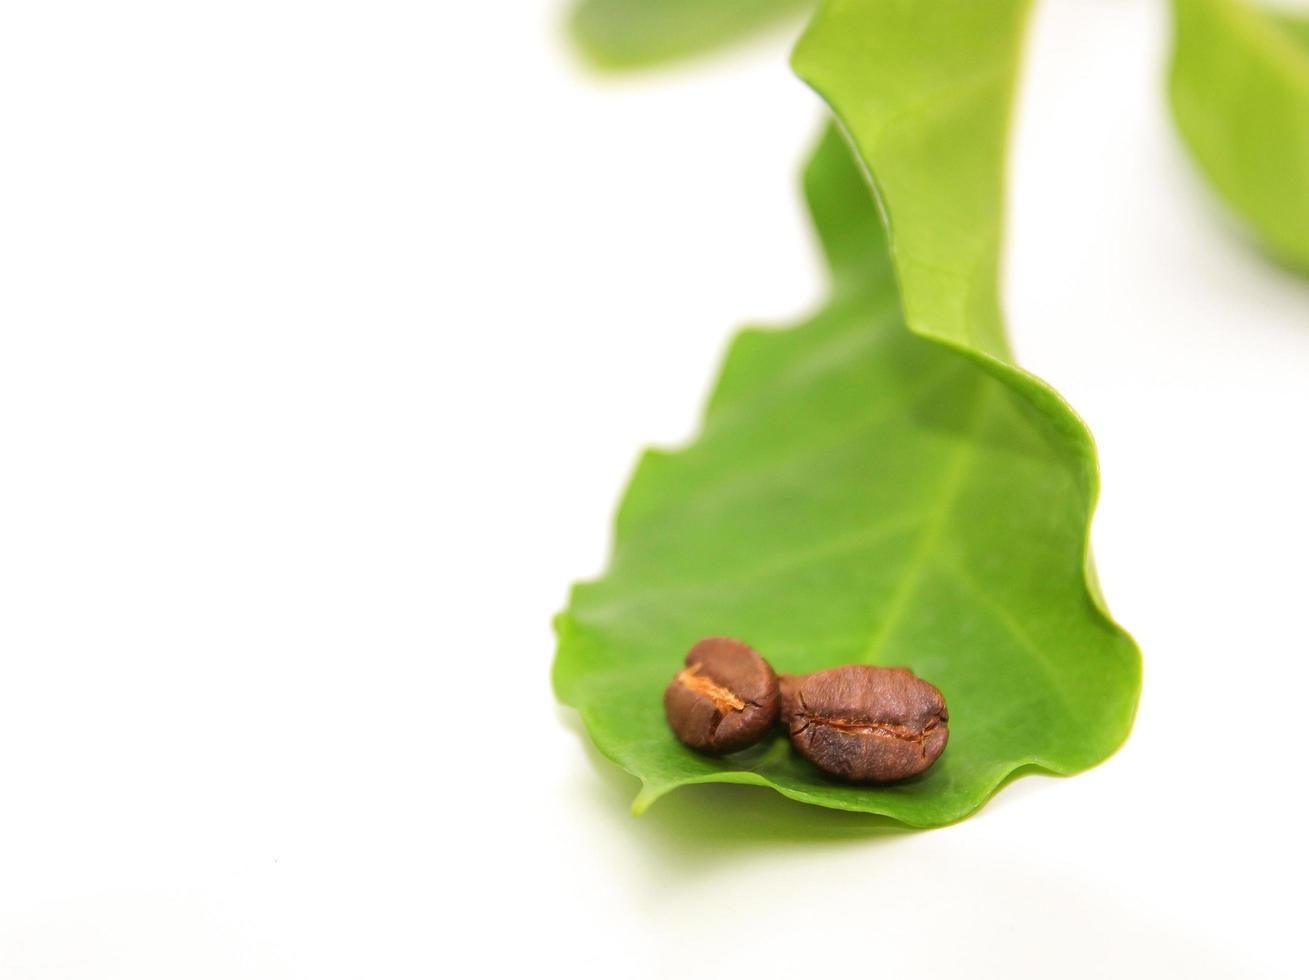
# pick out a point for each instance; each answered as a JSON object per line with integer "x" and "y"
{"x": 859, "y": 723}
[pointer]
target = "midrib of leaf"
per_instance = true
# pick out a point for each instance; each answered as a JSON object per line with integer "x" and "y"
{"x": 939, "y": 516}
{"x": 991, "y": 350}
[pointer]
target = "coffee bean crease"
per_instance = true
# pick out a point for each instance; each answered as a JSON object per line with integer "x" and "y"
{"x": 723, "y": 699}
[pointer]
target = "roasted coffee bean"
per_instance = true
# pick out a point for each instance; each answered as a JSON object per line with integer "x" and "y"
{"x": 867, "y": 724}
{"x": 724, "y": 699}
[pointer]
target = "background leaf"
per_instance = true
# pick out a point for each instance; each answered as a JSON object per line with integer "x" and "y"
{"x": 863, "y": 492}
{"x": 1239, "y": 88}
{"x": 640, "y": 33}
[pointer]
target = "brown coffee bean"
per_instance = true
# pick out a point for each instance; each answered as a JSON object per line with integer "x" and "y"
{"x": 867, "y": 724}
{"x": 724, "y": 699}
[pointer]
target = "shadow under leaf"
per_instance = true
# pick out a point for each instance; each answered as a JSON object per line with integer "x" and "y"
{"x": 705, "y": 824}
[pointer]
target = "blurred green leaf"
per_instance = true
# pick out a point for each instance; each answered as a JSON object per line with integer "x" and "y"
{"x": 1239, "y": 87}
{"x": 1295, "y": 24}
{"x": 620, "y": 34}
{"x": 880, "y": 483}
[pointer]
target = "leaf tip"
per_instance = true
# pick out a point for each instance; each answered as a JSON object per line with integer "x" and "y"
{"x": 648, "y": 794}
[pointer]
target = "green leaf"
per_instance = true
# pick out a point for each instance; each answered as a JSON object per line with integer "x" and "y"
{"x": 880, "y": 483}
{"x": 620, "y": 34}
{"x": 1239, "y": 87}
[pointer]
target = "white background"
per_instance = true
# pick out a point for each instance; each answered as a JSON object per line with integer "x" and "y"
{"x": 328, "y": 335}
